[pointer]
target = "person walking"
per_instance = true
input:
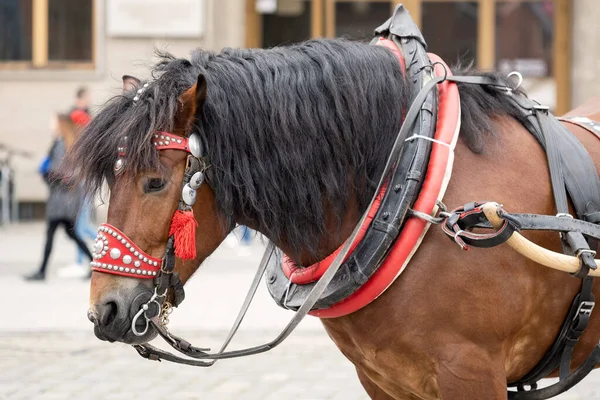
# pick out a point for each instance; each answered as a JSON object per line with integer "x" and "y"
{"x": 84, "y": 227}
{"x": 65, "y": 199}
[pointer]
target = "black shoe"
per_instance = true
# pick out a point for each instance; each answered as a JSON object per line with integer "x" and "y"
{"x": 38, "y": 276}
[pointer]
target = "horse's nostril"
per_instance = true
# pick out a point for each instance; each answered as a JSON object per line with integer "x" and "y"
{"x": 107, "y": 313}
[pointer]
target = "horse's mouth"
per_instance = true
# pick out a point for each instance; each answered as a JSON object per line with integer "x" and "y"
{"x": 127, "y": 338}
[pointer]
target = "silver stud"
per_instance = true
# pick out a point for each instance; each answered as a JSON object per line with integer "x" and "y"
{"x": 127, "y": 245}
{"x": 195, "y": 146}
{"x": 110, "y": 231}
{"x": 121, "y": 269}
{"x": 103, "y": 265}
{"x": 156, "y": 263}
{"x": 136, "y": 253}
{"x": 160, "y": 143}
{"x": 119, "y": 237}
{"x": 162, "y": 137}
{"x": 105, "y": 248}
{"x": 114, "y": 234}
{"x": 123, "y": 241}
{"x": 137, "y": 263}
{"x": 145, "y": 259}
{"x": 146, "y": 85}
{"x": 141, "y": 257}
{"x": 188, "y": 195}
{"x": 137, "y": 271}
{"x": 109, "y": 266}
{"x": 143, "y": 272}
{"x": 140, "y": 91}
{"x": 136, "y": 98}
{"x": 154, "y": 273}
{"x": 127, "y": 259}
{"x": 179, "y": 141}
{"x": 115, "y": 254}
{"x": 196, "y": 180}
{"x": 126, "y": 269}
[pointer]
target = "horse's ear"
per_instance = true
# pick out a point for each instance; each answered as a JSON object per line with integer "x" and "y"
{"x": 130, "y": 83}
{"x": 200, "y": 92}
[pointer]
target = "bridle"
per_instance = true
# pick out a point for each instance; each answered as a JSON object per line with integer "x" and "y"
{"x": 116, "y": 254}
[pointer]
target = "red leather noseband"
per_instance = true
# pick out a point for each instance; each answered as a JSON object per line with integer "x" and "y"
{"x": 115, "y": 253}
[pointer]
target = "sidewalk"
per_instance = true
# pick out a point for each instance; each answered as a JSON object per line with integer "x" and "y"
{"x": 48, "y": 350}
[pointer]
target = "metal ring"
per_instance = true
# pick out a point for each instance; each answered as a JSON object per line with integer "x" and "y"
{"x": 135, "y": 318}
{"x": 443, "y": 66}
{"x": 580, "y": 252}
{"x": 565, "y": 215}
{"x": 519, "y": 77}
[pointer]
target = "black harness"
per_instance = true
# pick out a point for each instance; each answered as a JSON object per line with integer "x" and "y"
{"x": 406, "y": 178}
{"x": 572, "y": 171}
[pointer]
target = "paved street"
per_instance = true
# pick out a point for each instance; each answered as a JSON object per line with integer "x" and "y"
{"x": 48, "y": 351}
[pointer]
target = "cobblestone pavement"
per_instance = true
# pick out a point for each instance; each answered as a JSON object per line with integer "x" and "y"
{"x": 48, "y": 351}
{"x": 78, "y": 366}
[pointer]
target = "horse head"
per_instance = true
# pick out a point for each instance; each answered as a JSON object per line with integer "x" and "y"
{"x": 143, "y": 200}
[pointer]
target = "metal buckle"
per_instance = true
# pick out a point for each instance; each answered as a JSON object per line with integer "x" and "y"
{"x": 584, "y": 309}
{"x": 540, "y": 107}
{"x": 580, "y": 252}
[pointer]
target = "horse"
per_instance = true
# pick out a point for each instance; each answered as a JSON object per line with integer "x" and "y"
{"x": 296, "y": 140}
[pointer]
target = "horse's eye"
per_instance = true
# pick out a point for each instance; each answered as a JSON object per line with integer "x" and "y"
{"x": 154, "y": 185}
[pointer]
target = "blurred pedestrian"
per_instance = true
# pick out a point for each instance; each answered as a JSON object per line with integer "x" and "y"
{"x": 84, "y": 227}
{"x": 65, "y": 199}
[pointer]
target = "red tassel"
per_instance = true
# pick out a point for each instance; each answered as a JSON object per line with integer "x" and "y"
{"x": 183, "y": 226}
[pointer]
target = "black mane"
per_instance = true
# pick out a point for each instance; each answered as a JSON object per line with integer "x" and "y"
{"x": 292, "y": 132}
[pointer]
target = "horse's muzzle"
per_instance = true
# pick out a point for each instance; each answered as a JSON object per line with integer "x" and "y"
{"x": 113, "y": 316}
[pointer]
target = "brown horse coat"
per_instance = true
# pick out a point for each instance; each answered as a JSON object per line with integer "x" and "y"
{"x": 428, "y": 336}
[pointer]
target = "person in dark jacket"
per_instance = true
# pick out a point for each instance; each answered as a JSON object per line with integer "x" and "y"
{"x": 65, "y": 200}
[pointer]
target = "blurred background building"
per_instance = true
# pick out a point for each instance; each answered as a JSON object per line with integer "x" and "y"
{"x": 48, "y": 48}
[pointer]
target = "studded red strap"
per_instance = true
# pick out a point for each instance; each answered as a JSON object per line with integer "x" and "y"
{"x": 115, "y": 253}
{"x": 168, "y": 141}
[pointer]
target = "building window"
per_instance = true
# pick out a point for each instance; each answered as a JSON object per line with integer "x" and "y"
{"x": 46, "y": 34}
{"x": 15, "y": 30}
{"x": 530, "y": 36}
{"x": 70, "y": 30}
